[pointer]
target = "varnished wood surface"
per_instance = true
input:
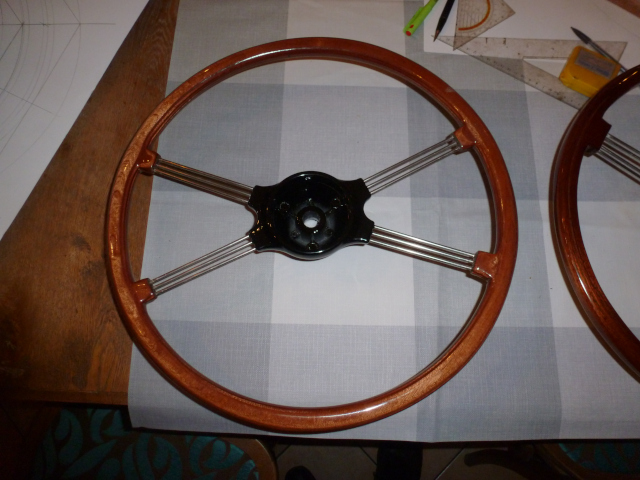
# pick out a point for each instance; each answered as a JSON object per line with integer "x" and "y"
{"x": 61, "y": 338}
{"x": 585, "y": 134}
{"x": 496, "y": 268}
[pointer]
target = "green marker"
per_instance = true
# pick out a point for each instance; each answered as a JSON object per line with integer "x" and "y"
{"x": 419, "y": 17}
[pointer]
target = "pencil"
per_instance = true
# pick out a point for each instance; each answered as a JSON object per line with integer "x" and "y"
{"x": 443, "y": 18}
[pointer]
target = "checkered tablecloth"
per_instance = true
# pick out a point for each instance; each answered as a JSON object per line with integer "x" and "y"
{"x": 364, "y": 320}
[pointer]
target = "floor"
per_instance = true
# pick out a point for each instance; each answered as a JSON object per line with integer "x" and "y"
{"x": 23, "y": 425}
{"x": 331, "y": 462}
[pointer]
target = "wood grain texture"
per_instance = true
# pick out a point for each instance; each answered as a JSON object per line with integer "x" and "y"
{"x": 496, "y": 268}
{"x": 585, "y": 134}
{"x": 631, "y": 6}
{"x": 61, "y": 338}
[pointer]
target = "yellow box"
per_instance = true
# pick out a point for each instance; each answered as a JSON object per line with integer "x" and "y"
{"x": 587, "y": 71}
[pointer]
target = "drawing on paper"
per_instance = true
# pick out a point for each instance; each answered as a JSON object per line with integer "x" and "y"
{"x": 39, "y": 42}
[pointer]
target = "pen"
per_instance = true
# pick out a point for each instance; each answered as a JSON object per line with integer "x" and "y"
{"x": 596, "y": 47}
{"x": 443, "y": 18}
{"x": 419, "y": 17}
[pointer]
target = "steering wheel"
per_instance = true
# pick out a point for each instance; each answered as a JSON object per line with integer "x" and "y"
{"x": 587, "y": 134}
{"x": 309, "y": 216}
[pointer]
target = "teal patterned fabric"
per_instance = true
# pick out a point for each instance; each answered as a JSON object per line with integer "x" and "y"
{"x": 95, "y": 443}
{"x": 607, "y": 457}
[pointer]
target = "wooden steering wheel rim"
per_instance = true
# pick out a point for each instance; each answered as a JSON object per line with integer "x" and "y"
{"x": 495, "y": 268}
{"x": 584, "y": 135}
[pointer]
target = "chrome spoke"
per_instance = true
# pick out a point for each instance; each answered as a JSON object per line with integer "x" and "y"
{"x": 205, "y": 264}
{"x": 413, "y": 164}
{"x": 422, "y": 249}
{"x": 221, "y": 187}
{"x": 621, "y": 156}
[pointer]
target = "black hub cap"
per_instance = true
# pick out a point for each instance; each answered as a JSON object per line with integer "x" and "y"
{"x": 310, "y": 215}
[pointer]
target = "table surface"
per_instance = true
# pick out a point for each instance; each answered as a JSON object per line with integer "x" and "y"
{"x": 62, "y": 338}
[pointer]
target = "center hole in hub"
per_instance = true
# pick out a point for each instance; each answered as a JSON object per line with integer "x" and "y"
{"x": 311, "y": 219}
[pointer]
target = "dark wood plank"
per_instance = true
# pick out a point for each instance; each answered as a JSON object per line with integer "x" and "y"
{"x": 631, "y": 6}
{"x": 61, "y": 338}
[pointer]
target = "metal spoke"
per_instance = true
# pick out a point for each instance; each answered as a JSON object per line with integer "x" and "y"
{"x": 414, "y": 163}
{"x": 221, "y": 187}
{"x": 416, "y": 247}
{"x": 621, "y": 156}
{"x": 205, "y": 264}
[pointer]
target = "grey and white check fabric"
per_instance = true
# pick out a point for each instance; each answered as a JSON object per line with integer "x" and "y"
{"x": 364, "y": 320}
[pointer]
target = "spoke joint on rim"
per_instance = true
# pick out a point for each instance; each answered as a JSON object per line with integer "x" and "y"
{"x": 202, "y": 265}
{"x": 422, "y": 249}
{"x": 219, "y": 186}
{"x": 407, "y": 167}
{"x": 621, "y": 156}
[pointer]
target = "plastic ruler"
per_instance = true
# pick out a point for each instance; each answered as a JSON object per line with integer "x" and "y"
{"x": 509, "y": 55}
{"x": 475, "y": 17}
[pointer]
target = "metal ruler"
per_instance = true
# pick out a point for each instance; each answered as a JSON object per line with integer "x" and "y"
{"x": 475, "y": 17}
{"x": 509, "y": 56}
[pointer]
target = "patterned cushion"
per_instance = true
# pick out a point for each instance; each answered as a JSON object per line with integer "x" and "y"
{"x": 96, "y": 443}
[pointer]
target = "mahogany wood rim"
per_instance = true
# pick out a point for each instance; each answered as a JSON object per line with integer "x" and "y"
{"x": 585, "y": 134}
{"x": 321, "y": 419}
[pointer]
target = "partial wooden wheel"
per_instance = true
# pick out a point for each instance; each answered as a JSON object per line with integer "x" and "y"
{"x": 587, "y": 134}
{"x": 332, "y": 219}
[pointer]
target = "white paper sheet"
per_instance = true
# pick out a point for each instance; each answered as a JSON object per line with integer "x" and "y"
{"x": 52, "y": 55}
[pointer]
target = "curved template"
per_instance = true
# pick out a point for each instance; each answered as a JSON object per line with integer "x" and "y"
{"x": 477, "y": 16}
{"x": 52, "y": 53}
{"x": 475, "y": 19}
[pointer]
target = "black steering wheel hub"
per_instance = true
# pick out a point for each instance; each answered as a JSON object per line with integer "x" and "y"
{"x": 310, "y": 215}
